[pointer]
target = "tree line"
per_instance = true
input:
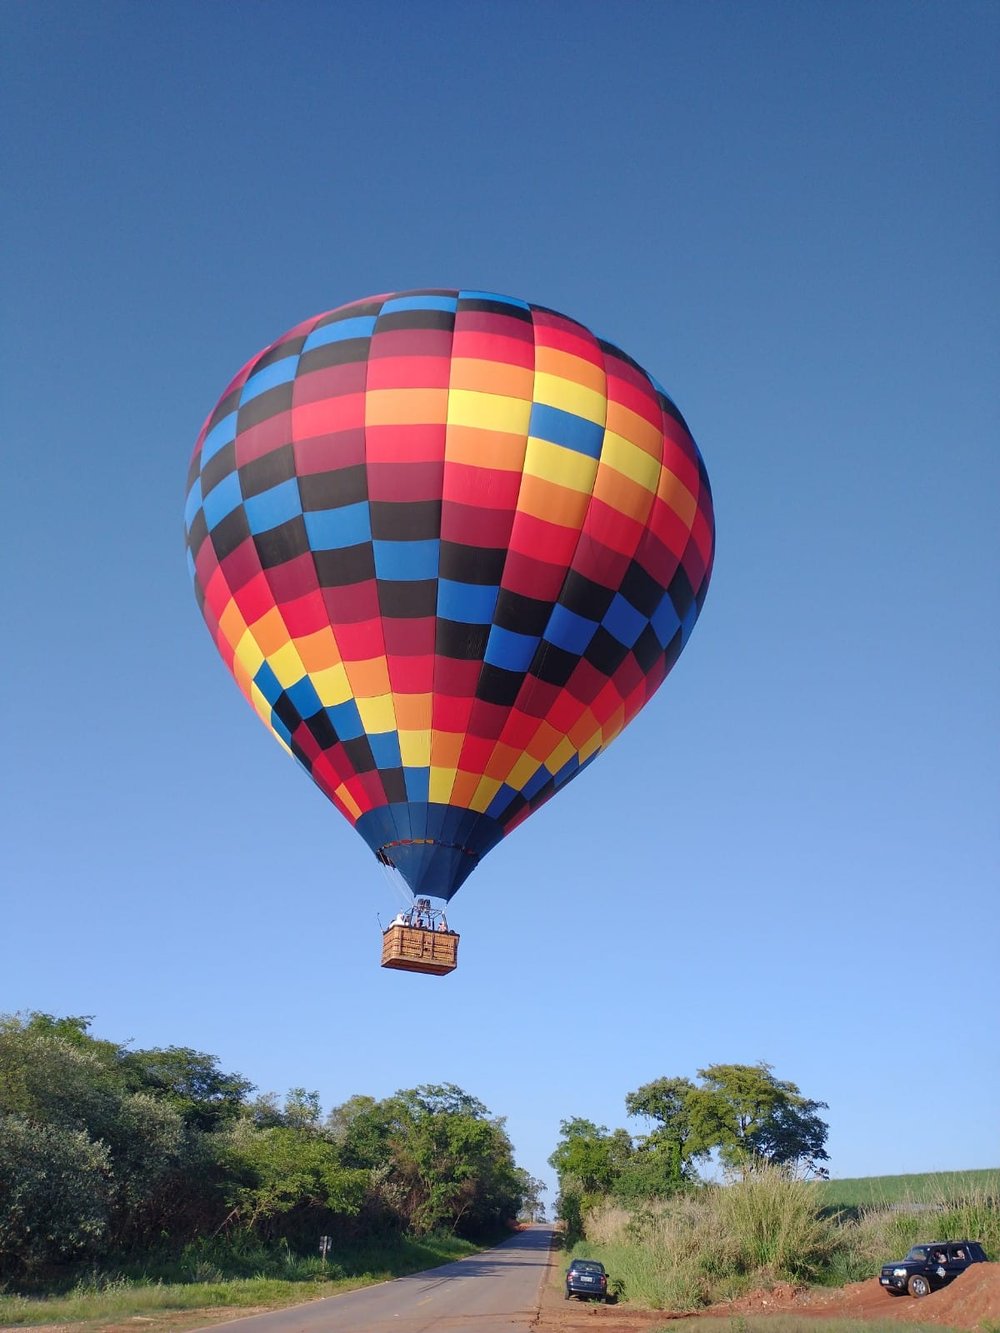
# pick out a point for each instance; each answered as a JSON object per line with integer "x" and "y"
{"x": 740, "y": 1115}
{"x": 107, "y": 1152}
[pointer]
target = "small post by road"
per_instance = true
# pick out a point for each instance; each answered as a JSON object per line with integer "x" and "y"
{"x": 324, "y": 1246}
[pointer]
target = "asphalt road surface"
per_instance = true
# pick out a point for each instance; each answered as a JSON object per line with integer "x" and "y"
{"x": 497, "y": 1290}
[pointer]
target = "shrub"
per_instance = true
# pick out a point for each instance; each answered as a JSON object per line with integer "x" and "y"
{"x": 689, "y": 1251}
{"x": 54, "y": 1204}
{"x": 773, "y": 1225}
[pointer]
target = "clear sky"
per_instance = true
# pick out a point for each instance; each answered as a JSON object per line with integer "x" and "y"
{"x": 788, "y": 213}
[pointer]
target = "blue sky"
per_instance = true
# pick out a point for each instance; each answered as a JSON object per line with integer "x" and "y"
{"x": 787, "y": 213}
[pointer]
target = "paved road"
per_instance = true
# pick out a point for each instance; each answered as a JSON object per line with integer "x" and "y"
{"x": 498, "y": 1290}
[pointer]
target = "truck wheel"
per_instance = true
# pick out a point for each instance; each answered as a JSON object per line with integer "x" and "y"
{"x": 918, "y": 1285}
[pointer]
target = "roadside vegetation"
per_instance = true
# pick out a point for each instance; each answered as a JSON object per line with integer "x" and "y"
{"x": 673, "y": 1241}
{"x": 133, "y": 1180}
{"x": 223, "y": 1274}
{"x": 716, "y": 1242}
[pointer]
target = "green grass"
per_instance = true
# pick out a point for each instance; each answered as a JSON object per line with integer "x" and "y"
{"x": 219, "y": 1275}
{"x": 124, "y": 1300}
{"x": 930, "y": 1188}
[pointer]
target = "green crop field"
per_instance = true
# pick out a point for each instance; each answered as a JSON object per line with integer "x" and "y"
{"x": 936, "y": 1188}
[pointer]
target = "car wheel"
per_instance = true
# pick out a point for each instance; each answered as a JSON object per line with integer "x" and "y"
{"x": 918, "y": 1285}
{"x": 567, "y": 1293}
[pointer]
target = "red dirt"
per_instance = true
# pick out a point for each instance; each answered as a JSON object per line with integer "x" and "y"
{"x": 971, "y": 1301}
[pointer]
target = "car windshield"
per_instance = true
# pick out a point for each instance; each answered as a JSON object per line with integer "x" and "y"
{"x": 918, "y": 1253}
{"x": 587, "y": 1266}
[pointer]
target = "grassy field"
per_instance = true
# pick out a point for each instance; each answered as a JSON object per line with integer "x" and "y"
{"x": 175, "y": 1294}
{"x": 164, "y": 1305}
{"x": 932, "y": 1188}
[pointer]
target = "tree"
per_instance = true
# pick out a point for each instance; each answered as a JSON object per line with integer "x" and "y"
{"x": 591, "y": 1163}
{"x": 444, "y": 1099}
{"x": 74, "y": 1031}
{"x": 54, "y": 1198}
{"x": 456, "y": 1164}
{"x": 749, "y": 1115}
{"x": 301, "y": 1109}
{"x": 794, "y": 1135}
{"x": 671, "y": 1149}
{"x": 588, "y": 1158}
{"x": 532, "y": 1205}
{"x": 740, "y": 1111}
{"x": 191, "y": 1081}
{"x": 105, "y": 1151}
{"x": 361, "y": 1129}
{"x": 159, "y": 1176}
{"x": 150, "y": 1157}
{"x": 284, "y": 1169}
{"x": 57, "y": 1076}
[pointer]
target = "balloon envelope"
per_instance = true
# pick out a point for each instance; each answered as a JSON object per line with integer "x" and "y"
{"x": 448, "y": 544}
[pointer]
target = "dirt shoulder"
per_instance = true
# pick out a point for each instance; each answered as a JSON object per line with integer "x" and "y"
{"x": 557, "y": 1315}
{"x": 971, "y": 1301}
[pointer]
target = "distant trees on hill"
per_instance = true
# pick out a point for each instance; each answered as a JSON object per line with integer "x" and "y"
{"x": 742, "y": 1113}
{"x": 106, "y": 1151}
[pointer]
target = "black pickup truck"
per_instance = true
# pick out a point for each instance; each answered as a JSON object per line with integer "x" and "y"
{"x": 928, "y": 1267}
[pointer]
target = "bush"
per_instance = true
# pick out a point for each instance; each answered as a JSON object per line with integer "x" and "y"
{"x": 54, "y": 1204}
{"x": 771, "y": 1225}
{"x": 687, "y": 1252}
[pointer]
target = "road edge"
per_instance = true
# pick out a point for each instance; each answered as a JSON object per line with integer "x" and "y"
{"x": 546, "y": 1281}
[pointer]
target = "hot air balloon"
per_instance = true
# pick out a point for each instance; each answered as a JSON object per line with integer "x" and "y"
{"x": 448, "y": 543}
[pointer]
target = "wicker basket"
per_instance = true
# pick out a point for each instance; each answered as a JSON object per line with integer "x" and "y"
{"x": 413, "y": 949}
